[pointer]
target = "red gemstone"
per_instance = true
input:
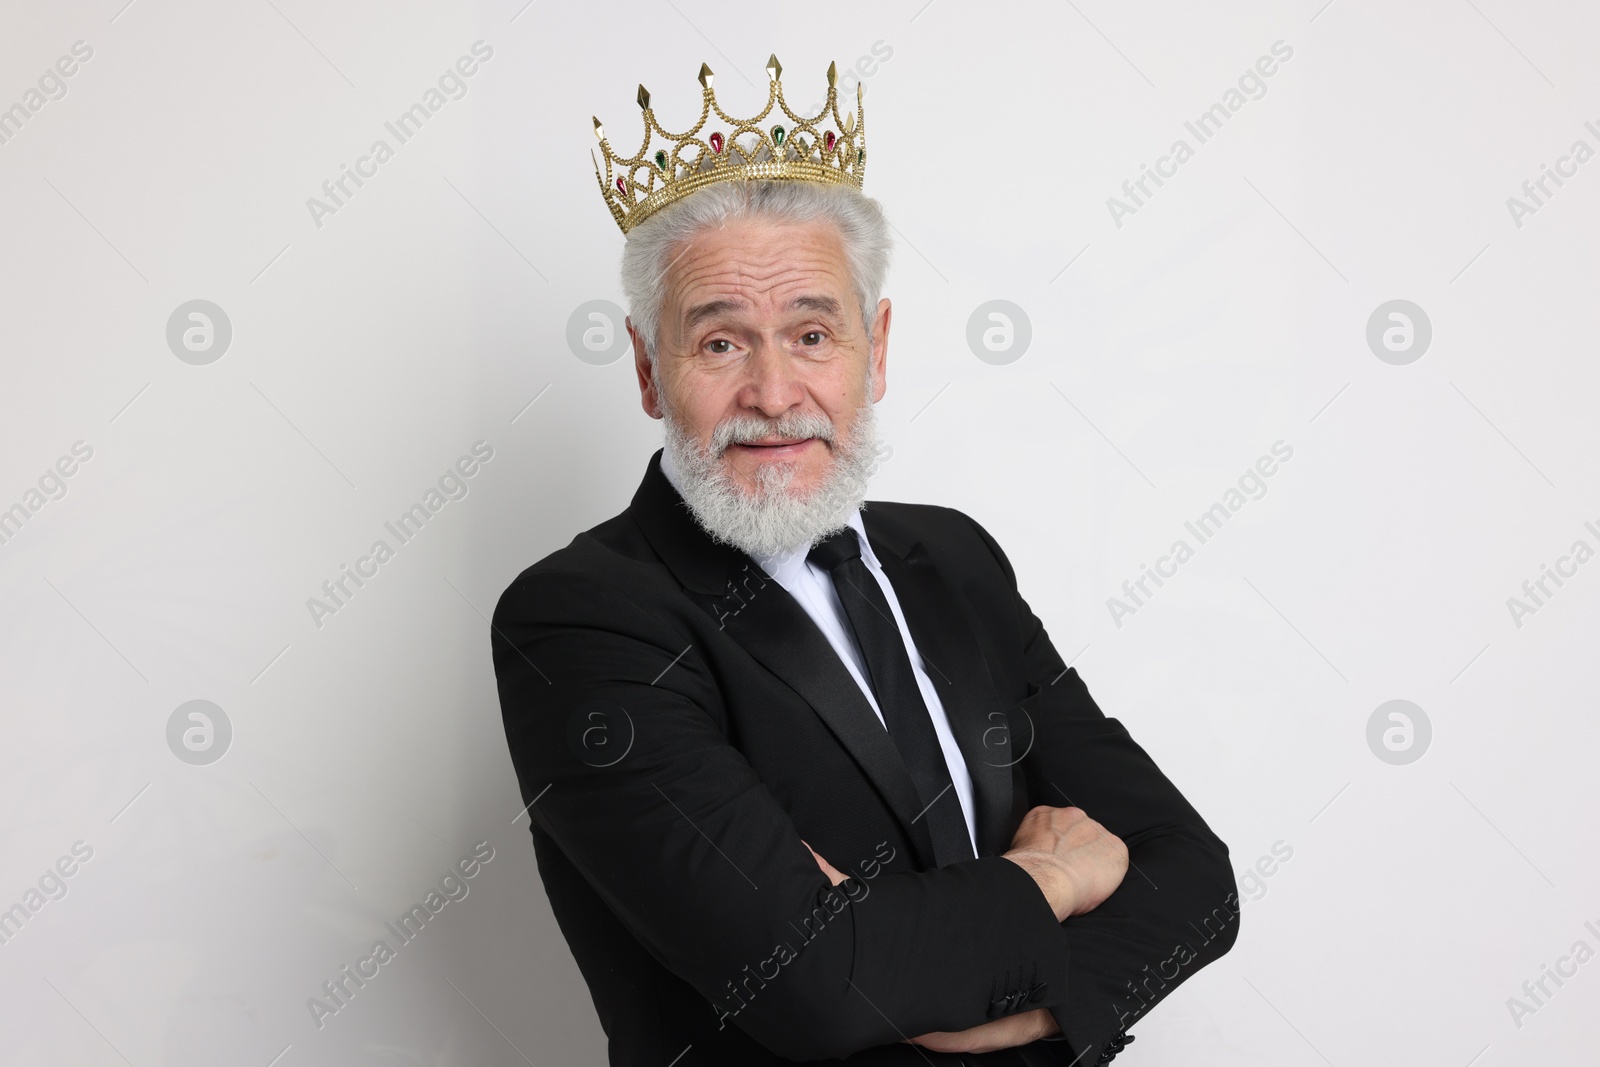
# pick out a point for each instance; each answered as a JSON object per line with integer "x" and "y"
{"x": 716, "y": 143}
{"x": 827, "y": 140}
{"x": 622, "y": 187}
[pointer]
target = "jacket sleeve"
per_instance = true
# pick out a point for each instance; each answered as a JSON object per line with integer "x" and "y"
{"x": 1177, "y": 909}
{"x": 613, "y": 724}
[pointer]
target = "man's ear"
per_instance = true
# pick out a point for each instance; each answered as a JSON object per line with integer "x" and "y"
{"x": 641, "y": 369}
{"x": 880, "y": 349}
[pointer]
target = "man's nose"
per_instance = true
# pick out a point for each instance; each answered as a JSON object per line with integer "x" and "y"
{"x": 773, "y": 385}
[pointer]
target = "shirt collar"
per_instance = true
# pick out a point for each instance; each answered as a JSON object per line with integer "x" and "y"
{"x": 786, "y": 566}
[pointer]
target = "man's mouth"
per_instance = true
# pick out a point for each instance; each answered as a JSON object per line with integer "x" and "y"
{"x": 775, "y": 447}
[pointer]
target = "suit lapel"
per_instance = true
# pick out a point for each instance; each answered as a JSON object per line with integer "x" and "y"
{"x": 768, "y": 623}
{"x": 954, "y": 662}
{"x": 776, "y": 630}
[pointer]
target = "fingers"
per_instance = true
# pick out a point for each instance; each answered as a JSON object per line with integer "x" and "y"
{"x": 1008, "y": 1032}
{"x": 829, "y": 871}
{"x": 1090, "y": 860}
{"x": 1043, "y": 825}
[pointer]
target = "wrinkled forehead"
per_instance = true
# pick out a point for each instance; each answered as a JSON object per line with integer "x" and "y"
{"x": 758, "y": 267}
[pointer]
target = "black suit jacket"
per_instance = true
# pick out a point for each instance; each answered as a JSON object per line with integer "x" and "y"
{"x": 680, "y": 725}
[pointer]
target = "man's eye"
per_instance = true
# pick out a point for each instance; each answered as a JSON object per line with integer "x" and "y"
{"x": 720, "y": 347}
{"x": 814, "y": 337}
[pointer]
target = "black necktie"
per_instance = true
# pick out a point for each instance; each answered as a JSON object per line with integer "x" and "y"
{"x": 895, "y": 686}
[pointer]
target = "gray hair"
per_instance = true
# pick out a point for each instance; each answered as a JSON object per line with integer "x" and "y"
{"x": 860, "y": 220}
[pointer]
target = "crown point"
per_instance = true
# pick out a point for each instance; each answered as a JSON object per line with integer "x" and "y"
{"x": 599, "y": 130}
{"x": 849, "y": 122}
{"x": 705, "y": 76}
{"x": 833, "y": 75}
{"x": 644, "y": 97}
{"x": 774, "y": 68}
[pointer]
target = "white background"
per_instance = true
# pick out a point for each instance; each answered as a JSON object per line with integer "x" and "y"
{"x": 370, "y": 352}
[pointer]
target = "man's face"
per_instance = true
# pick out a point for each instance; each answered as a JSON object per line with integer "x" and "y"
{"x": 761, "y": 320}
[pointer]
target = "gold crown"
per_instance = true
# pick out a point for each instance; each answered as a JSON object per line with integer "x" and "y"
{"x": 637, "y": 187}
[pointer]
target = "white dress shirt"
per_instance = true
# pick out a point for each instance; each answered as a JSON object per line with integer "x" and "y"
{"x": 812, "y": 587}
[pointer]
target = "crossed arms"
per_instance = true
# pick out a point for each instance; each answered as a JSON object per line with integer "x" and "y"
{"x": 1077, "y": 864}
{"x": 697, "y": 858}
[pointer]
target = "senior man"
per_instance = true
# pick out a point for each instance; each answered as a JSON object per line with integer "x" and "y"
{"x": 807, "y": 778}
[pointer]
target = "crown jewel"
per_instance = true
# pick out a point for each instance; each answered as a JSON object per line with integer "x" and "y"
{"x": 825, "y": 147}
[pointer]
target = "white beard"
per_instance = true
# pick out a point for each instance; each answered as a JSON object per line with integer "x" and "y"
{"x": 773, "y": 519}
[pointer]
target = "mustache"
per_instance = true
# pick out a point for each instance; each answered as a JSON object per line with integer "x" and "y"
{"x": 794, "y": 425}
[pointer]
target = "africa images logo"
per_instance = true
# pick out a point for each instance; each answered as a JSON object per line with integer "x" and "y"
{"x": 452, "y": 85}
{"x": 453, "y": 485}
{"x": 1251, "y": 485}
{"x": 340, "y": 990}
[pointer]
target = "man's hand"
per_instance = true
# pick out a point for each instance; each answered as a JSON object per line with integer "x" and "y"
{"x": 1077, "y": 862}
{"x": 1009, "y": 1032}
{"x": 833, "y": 874}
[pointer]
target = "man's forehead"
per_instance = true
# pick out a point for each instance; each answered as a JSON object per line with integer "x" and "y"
{"x": 731, "y": 269}
{"x": 758, "y": 252}
{"x": 820, "y": 303}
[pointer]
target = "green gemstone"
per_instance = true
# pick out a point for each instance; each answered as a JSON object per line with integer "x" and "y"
{"x": 861, "y": 153}
{"x": 778, "y": 135}
{"x": 661, "y": 159}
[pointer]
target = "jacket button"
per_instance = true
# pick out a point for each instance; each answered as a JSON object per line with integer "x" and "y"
{"x": 1113, "y": 1046}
